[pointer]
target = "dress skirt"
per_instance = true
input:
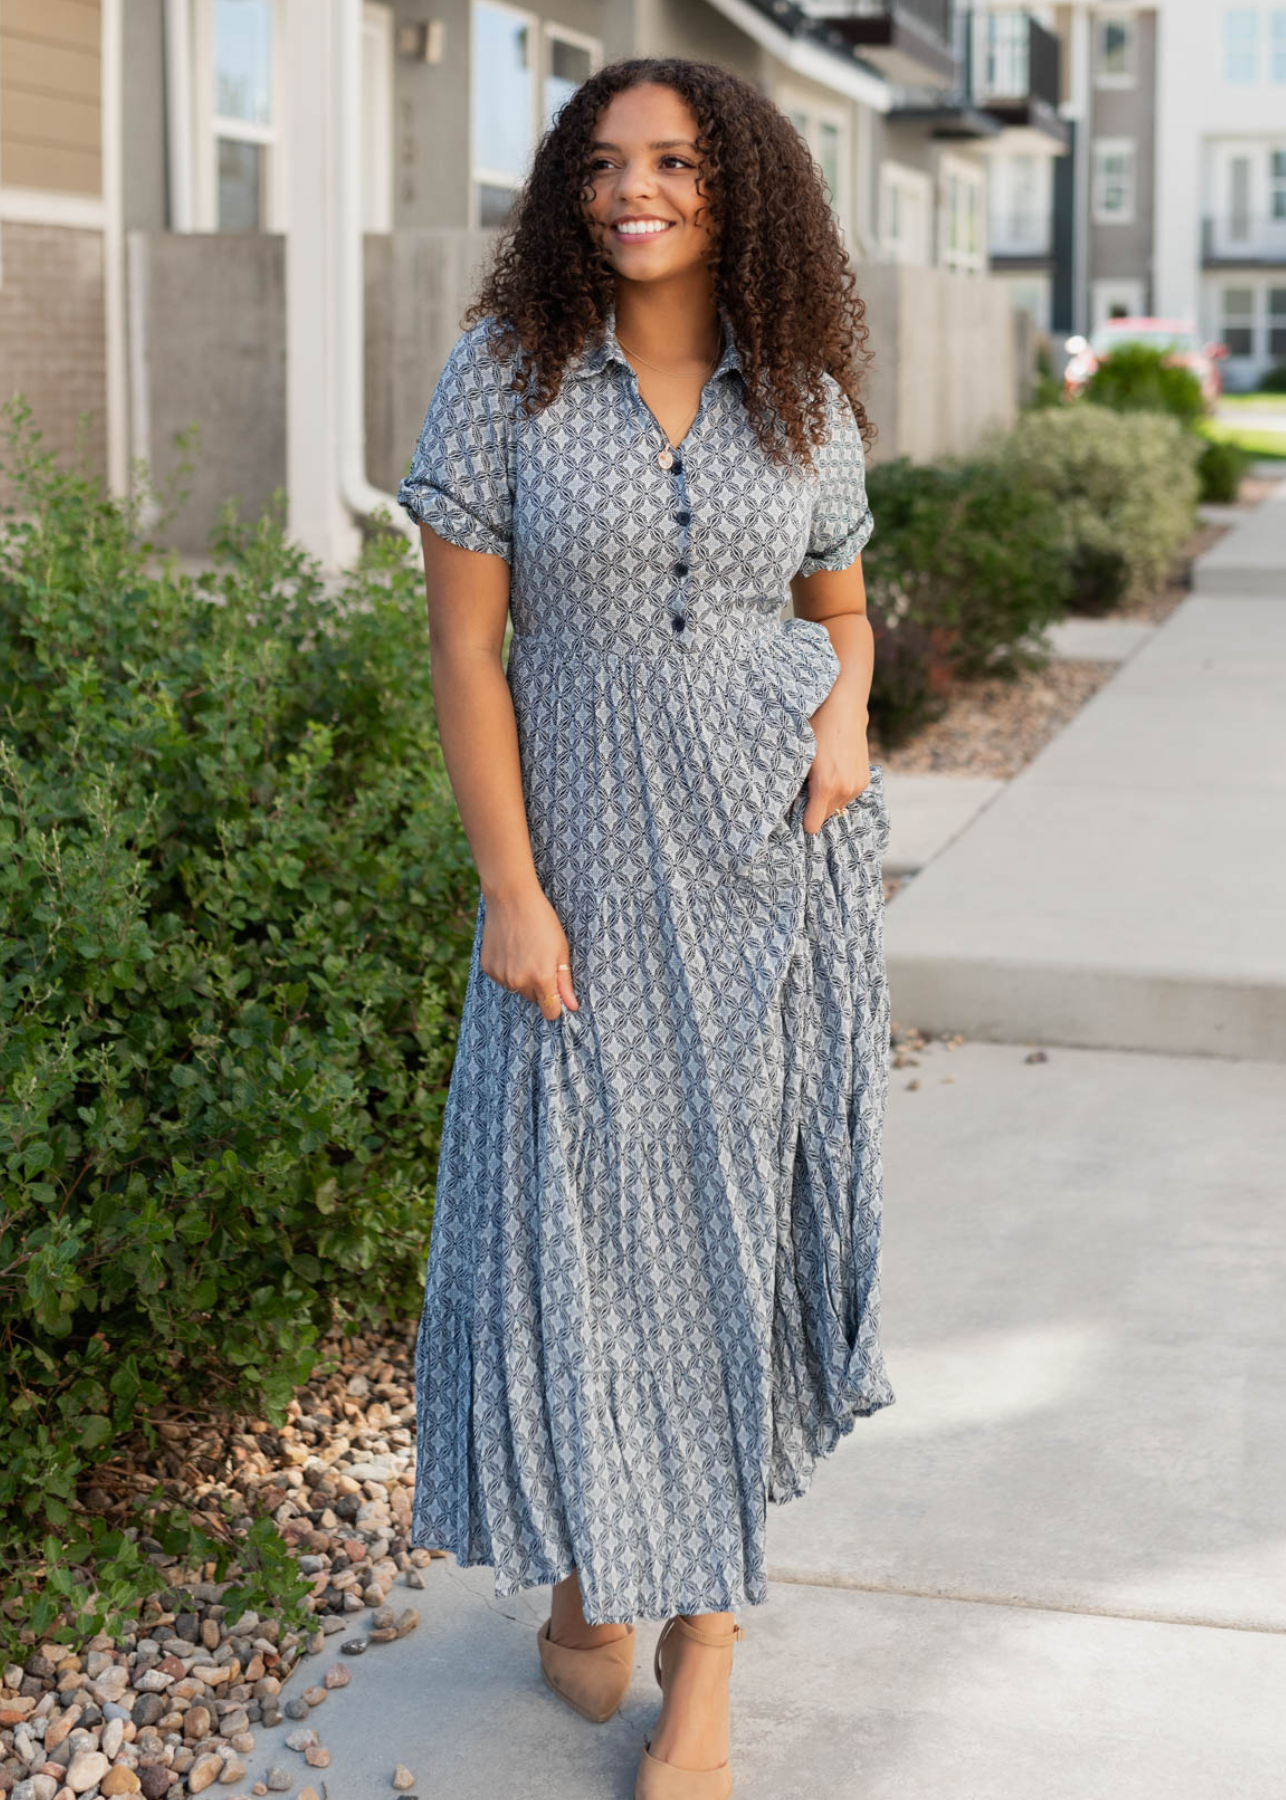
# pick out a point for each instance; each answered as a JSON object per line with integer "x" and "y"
{"x": 652, "y": 1299}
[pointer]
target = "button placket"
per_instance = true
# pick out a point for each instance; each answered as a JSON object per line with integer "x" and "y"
{"x": 683, "y": 566}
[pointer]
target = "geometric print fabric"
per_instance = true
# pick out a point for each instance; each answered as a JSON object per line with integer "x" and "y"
{"x": 652, "y": 1297}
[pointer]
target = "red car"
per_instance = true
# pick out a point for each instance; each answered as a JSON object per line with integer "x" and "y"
{"x": 1177, "y": 335}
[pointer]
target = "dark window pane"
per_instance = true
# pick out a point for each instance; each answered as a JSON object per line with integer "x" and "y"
{"x": 240, "y": 186}
{"x": 494, "y": 204}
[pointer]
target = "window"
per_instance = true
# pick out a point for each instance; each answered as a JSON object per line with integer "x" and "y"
{"x": 1277, "y": 323}
{"x": 1004, "y": 54}
{"x": 1238, "y": 331}
{"x": 243, "y": 112}
{"x": 1113, "y": 193}
{"x": 1241, "y": 45}
{"x": 1277, "y": 184}
{"x": 1277, "y": 43}
{"x": 1114, "y": 50}
{"x": 1021, "y": 204}
{"x": 502, "y": 65}
{"x": 906, "y": 205}
{"x": 569, "y": 61}
{"x": 519, "y": 79}
{"x": 962, "y": 245}
{"x": 1239, "y": 178}
{"x": 826, "y": 135}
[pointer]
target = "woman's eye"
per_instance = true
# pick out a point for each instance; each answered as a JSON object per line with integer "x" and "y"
{"x": 600, "y": 161}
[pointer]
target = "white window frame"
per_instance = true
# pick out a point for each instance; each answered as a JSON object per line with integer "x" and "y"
{"x": 377, "y": 115}
{"x": 903, "y": 182}
{"x": 970, "y": 179}
{"x": 1226, "y": 47}
{"x": 554, "y": 33}
{"x": 1112, "y": 78}
{"x": 209, "y": 127}
{"x": 1002, "y": 190}
{"x": 1100, "y": 150}
{"x": 543, "y": 35}
{"x": 808, "y": 113}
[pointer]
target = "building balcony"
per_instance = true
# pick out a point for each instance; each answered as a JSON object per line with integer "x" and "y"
{"x": 911, "y": 42}
{"x": 1014, "y": 72}
{"x": 1243, "y": 240}
{"x": 1008, "y": 81}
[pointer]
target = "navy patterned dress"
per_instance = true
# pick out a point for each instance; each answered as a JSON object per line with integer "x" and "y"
{"x": 652, "y": 1298}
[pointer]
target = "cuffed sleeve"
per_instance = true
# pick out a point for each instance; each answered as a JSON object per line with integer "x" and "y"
{"x": 841, "y": 519}
{"x": 460, "y": 481}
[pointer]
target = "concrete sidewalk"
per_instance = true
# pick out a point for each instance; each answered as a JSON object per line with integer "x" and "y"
{"x": 1251, "y": 558}
{"x": 1054, "y": 1569}
{"x": 1128, "y": 889}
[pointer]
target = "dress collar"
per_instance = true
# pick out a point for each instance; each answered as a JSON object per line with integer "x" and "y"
{"x": 607, "y": 349}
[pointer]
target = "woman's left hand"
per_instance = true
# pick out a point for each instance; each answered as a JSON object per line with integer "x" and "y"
{"x": 841, "y": 770}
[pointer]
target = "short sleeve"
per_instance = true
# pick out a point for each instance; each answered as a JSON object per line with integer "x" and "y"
{"x": 459, "y": 481}
{"x": 841, "y": 519}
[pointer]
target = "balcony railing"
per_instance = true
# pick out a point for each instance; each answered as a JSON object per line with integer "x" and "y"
{"x": 1012, "y": 59}
{"x": 909, "y": 40}
{"x": 1247, "y": 238}
{"x": 1007, "y": 75}
{"x": 937, "y": 15}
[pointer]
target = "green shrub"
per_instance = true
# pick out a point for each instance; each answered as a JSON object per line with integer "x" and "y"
{"x": 1047, "y": 388}
{"x": 1273, "y": 381}
{"x": 1122, "y": 488}
{"x": 1222, "y": 467}
{"x": 966, "y": 551}
{"x": 1137, "y": 378}
{"x": 237, "y": 907}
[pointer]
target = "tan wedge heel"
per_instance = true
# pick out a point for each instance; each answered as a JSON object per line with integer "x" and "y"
{"x": 593, "y": 1682}
{"x": 657, "y": 1780}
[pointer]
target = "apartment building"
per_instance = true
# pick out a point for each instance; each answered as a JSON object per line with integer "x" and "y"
{"x": 265, "y": 215}
{"x": 1221, "y": 184}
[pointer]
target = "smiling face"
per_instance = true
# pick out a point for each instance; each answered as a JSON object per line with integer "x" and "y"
{"x": 645, "y": 211}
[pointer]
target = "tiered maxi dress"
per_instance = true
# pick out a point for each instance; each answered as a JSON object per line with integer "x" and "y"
{"x": 652, "y": 1296}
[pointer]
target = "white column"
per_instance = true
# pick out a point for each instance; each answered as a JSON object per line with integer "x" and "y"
{"x": 318, "y": 517}
{"x": 1184, "y": 84}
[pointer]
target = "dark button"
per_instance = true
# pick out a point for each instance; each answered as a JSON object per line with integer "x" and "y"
{"x": 680, "y": 569}
{"x": 676, "y": 467}
{"x": 678, "y": 621}
{"x": 684, "y": 518}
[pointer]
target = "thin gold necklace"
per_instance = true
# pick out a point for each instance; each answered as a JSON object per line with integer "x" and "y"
{"x": 670, "y": 372}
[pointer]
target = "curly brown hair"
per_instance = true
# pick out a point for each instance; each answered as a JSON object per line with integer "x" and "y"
{"x": 779, "y": 264}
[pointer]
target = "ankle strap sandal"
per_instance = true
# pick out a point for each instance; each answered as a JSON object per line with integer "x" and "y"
{"x": 698, "y": 1635}
{"x": 657, "y": 1780}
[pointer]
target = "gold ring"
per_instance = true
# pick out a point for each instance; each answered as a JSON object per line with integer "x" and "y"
{"x": 563, "y": 965}
{"x": 552, "y": 996}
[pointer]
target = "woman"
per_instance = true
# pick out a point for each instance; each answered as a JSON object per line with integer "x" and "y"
{"x": 653, "y": 1289}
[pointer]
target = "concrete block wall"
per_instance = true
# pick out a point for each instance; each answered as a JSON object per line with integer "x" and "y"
{"x": 52, "y": 343}
{"x": 209, "y": 313}
{"x": 208, "y": 317}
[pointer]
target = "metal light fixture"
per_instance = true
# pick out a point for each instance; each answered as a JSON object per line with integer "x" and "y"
{"x": 423, "y": 42}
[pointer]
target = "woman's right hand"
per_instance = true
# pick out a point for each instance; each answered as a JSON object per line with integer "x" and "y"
{"x": 523, "y": 943}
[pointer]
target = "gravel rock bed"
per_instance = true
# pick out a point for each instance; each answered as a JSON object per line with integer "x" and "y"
{"x": 172, "y": 1708}
{"x": 994, "y": 726}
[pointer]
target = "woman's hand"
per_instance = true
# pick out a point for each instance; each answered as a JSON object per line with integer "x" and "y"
{"x": 841, "y": 770}
{"x": 522, "y": 946}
